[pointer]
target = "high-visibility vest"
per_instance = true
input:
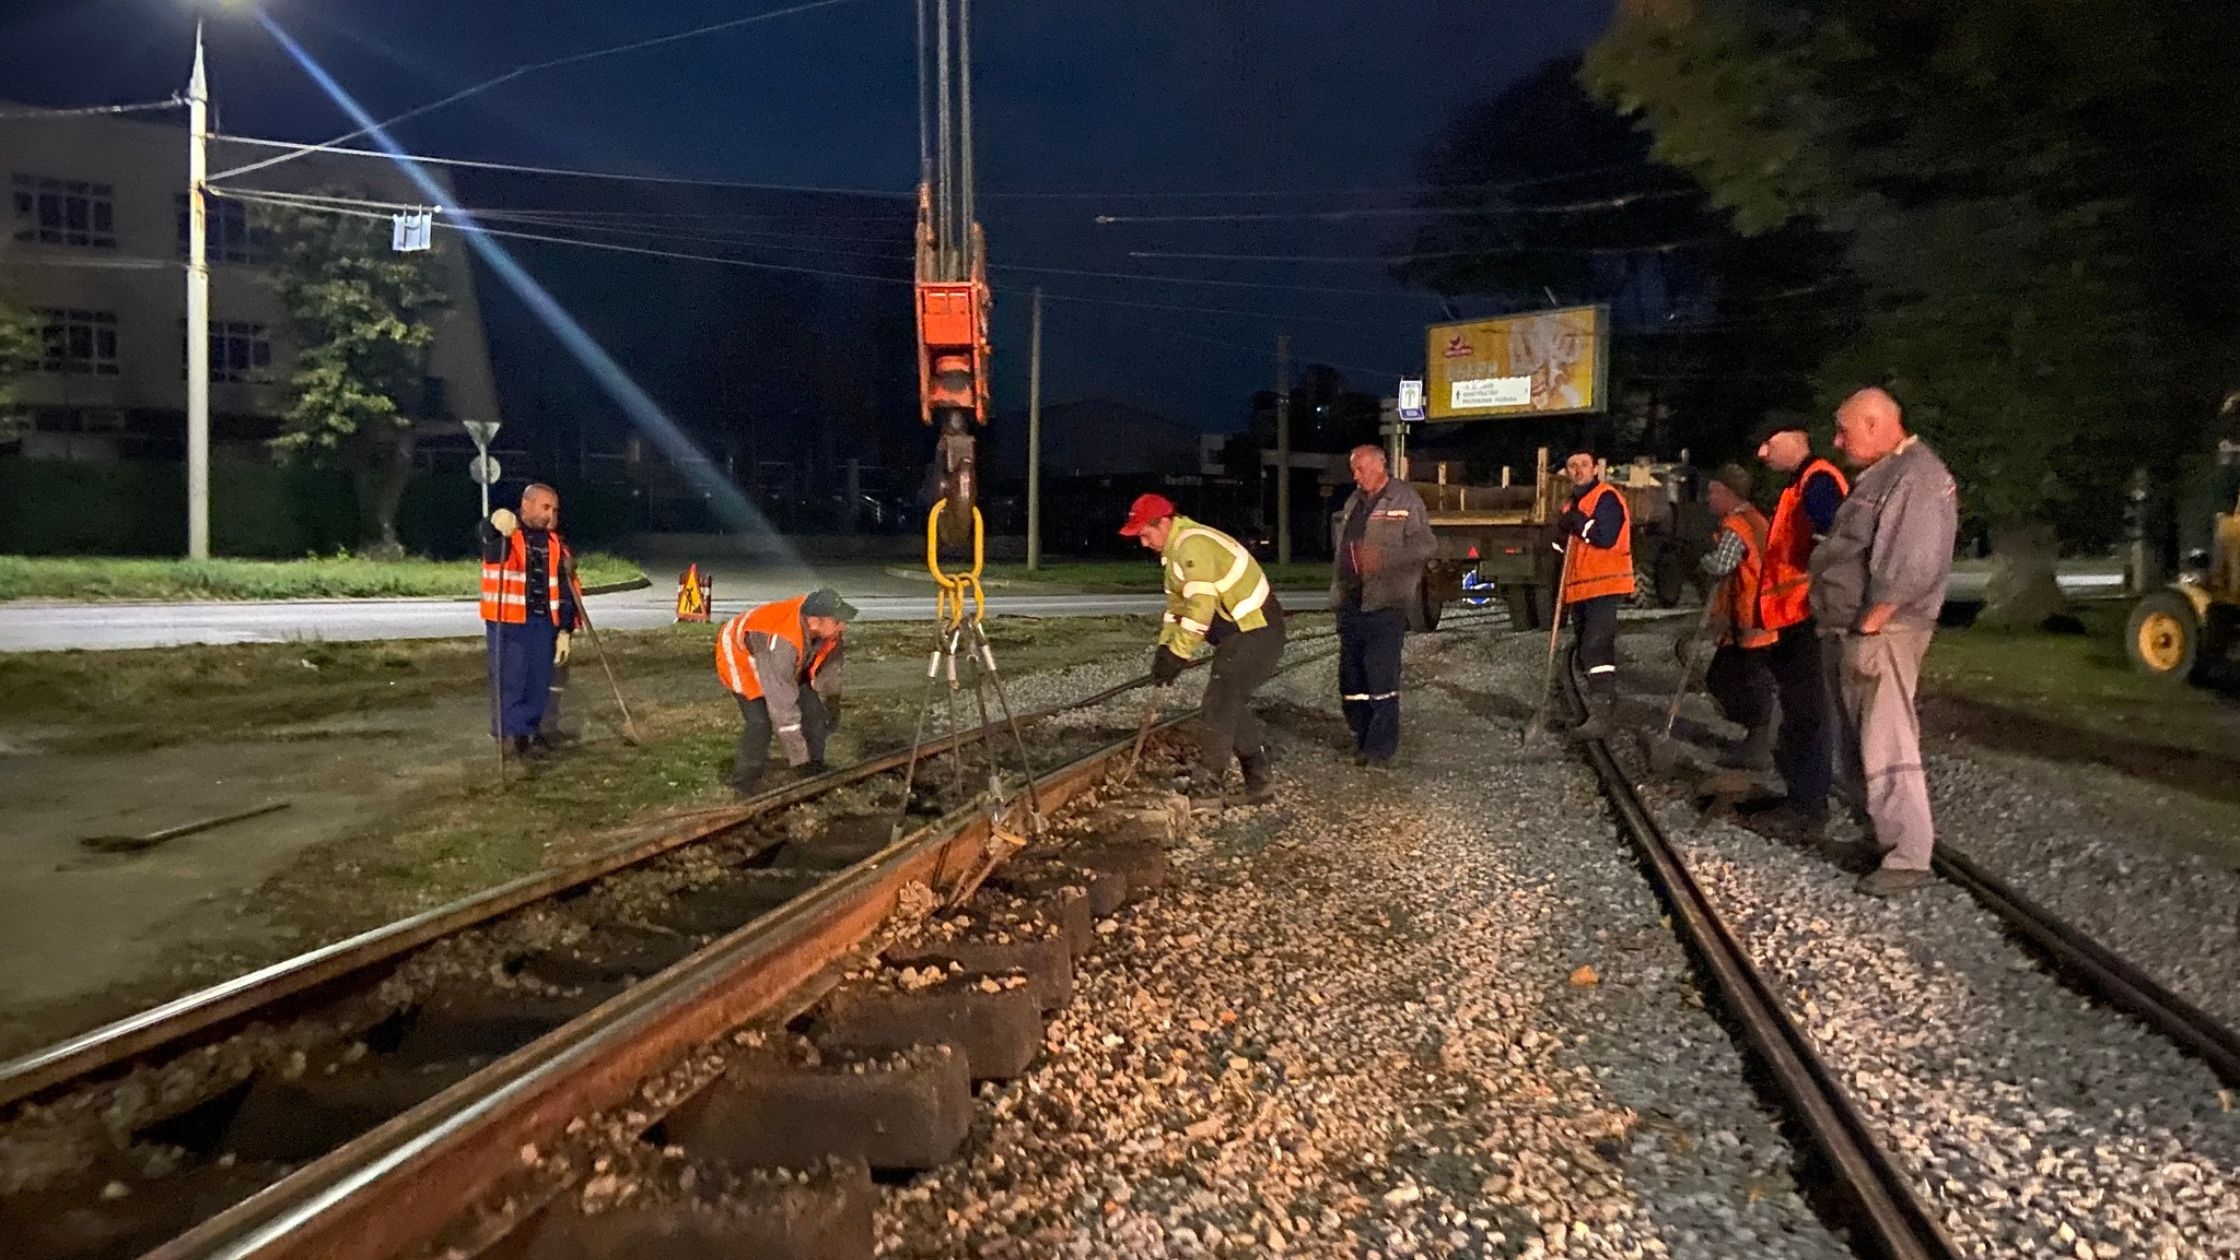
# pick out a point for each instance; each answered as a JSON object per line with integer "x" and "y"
{"x": 1599, "y": 571}
{"x": 1784, "y": 595}
{"x": 1738, "y": 595}
{"x": 1238, "y": 589}
{"x": 505, "y": 583}
{"x": 781, "y": 620}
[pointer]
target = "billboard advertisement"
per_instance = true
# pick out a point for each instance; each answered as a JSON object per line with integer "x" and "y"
{"x": 1544, "y": 363}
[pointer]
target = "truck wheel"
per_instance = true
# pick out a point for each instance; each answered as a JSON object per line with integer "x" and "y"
{"x": 2164, "y": 637}
{"x": 1524, "y": 608}
{"x": 1429, "y": 607}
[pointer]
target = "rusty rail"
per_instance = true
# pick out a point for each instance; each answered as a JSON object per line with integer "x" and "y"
{"x": 393, "y": 1189}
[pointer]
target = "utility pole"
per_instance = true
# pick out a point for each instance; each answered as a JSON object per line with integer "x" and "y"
{"x": 1034, "y": 439}
{"x": 198, "y": 310}
{"x": 1283, "y": 449}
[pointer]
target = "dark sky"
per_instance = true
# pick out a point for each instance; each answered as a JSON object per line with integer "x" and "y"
{"x": 1127, "y": 96}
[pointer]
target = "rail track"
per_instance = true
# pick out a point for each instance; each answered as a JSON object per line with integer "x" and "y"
{"x": 355, "y": 1099}
{"x": 1879, "y": 1198}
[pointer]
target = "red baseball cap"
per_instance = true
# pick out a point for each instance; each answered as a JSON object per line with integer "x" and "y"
{"x": 1148, "y": 509}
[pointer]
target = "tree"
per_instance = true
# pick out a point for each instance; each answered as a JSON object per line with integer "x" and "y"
{"x": 19, "y": 353}
{"x": 2035, "y": 197}
{"x": 361, "y": 387}
{"x": 1554, "y": 195}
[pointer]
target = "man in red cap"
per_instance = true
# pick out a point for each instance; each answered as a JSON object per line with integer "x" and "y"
{"x": 1217, "y": 594}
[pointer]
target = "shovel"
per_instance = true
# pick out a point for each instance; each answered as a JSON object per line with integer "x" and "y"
{"x": 1143, "y": 730}
{"x": 135, "y": 844}
{"x": 630, "y": 734}
{"x": 1539, "y": 720}
{"x": 1664, "y": 752}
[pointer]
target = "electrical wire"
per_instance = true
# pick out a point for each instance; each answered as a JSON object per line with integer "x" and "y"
{"x": 568, "y": 171}
{"x": 1210, "y": 282}
{"x": 520, "y": 71}
{"x": 1397, "y": 189}
{"x": 1337, "y": 216}
{"x": 36, "y": 114}
{"x": 1387, "y": 259}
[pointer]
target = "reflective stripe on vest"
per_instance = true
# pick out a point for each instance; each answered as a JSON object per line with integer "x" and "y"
{"x": 1599, "y": 571}
{"x": 1240, "y": 567}
{"x": 505, "y": 583}
{"x": 1785, "y": 592}
{"x": 1739, "y": 593}
{"x": 779, "y": 620}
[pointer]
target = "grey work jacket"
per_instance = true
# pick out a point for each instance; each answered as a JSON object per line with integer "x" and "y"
{"x": 779, "y": 666}
{"x": 1891, "y": 543}
{"x": 1400, "y": 528}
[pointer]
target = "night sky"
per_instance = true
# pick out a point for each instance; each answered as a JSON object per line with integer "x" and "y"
{"x": 1141, "y": 96}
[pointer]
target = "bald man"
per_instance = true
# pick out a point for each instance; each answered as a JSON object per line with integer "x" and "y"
{"x": 528, "y": 612}
{"x": 1878, "y": 583}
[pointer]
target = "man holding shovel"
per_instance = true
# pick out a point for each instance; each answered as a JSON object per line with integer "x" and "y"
{"x": 528, "y": 612}
{"x": 1739, "y": 681}
{"x": 1596, "y": 537}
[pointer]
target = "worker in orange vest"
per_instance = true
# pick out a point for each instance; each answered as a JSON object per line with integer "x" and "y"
{"x": 1597, "y": 540}
{"x": 782, "y": 662}
{"x": 1805, "y": 753}
{"x": 528, "y": 612}
{"x": 1739, "y": 680}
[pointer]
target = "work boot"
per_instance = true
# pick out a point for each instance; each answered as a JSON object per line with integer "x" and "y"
{"x": 1597, "y": 725}
{"x": 1206, "y": 796}
{"x": 1886, "y": 881}
{"x": 1786, "y": 819}
{"x": 1755, "y": 753}
{"x": 1259, "y": 785}
{"x": 526, "y": 748}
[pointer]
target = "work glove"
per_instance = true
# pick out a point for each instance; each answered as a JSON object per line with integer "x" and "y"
{"x": 505, "y": 522}
{"x": 1165, "y": 667}
{"x": 560, "y": 649}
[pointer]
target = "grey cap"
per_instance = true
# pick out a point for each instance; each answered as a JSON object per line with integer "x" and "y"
{"x": 1734, "y": 477}
{"x": 826, "y": 602}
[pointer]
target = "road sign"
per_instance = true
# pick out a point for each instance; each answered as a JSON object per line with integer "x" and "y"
{"x": 484, "y": 469}
{"x": 1411, "y": 399}
{"x": 481, "y": 433}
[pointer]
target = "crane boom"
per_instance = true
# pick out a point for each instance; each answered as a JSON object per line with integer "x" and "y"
{"x": 951, "y": 291}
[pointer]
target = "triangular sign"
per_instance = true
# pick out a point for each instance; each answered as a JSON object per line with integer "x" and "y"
{"x": 481, "y": 432}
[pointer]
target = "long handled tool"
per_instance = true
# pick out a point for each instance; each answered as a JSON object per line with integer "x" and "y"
{"x": 1663, "y": 753}
{"x": 1539, "y": 721}
{"x": 630, "y": 734}
{"x": 1143, "y": 729}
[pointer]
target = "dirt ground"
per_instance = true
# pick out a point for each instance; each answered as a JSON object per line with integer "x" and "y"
{"x": 380, "y": 753}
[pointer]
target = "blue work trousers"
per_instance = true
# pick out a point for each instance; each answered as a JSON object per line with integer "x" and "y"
{"x": 1369, "y": 643}
{"x": 520, "y": 664}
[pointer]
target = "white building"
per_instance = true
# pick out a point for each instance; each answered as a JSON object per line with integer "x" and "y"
{"x": 94, "y": 243}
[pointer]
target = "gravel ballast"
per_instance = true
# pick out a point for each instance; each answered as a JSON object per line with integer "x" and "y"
{"x": 2035, "y": 1121}
{"x": 1431, "y": 1013}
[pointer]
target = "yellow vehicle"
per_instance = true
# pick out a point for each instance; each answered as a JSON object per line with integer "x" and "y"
{"x": 2182, "y": 630}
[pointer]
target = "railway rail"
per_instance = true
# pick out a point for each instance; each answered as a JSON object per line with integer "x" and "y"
{"x": 1881, "y": 1197}
{"x": 798, "y": 881}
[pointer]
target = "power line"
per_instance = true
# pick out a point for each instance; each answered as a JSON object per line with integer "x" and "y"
{"x": 1261, "y": 351}
{"x": 1388, "y": 190}
{"x": 1336, "y": 216}
{"x": 520, "y": 71}
{"x": 1208, "y": 282}
{"x": 1386, "y": 259}
{"x": 527, "y": 169}
{"x": 34, "y": 114}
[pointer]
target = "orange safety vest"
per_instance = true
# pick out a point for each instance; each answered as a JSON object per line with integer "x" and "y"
{"x": 505, "y": 583}
{"x": 1738, "y": 595}
{"x": 1785, "y": 592}
{"x": 781, "y": 620}
{"x": 1599, "y": 571}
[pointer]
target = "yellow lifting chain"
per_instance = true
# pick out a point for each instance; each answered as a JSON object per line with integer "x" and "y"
{"x": 956, "y": 588}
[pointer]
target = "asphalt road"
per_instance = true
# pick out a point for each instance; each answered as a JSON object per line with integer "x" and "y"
{"x": 50, "y": 627}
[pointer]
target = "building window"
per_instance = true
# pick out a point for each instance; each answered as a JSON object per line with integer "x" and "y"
{"x": 78, "y": 343}
{"x": 240, "y": 353}
{"x": 233, "y": 234}
{"x": 65, "y": 212}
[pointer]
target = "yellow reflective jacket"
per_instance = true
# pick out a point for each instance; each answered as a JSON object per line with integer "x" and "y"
{"x": 1209, "y": 575}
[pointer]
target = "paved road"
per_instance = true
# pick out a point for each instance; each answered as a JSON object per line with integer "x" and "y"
{"x": 48, "y": 627}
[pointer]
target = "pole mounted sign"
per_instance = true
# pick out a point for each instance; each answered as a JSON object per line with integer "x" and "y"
{"x": 484, "y": 467}
{"x": 1411, "y": 399}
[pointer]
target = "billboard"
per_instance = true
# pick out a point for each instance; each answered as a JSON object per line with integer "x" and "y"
{"x": 1545, "y": 363}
